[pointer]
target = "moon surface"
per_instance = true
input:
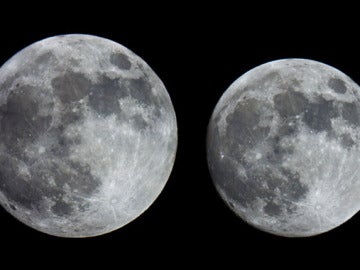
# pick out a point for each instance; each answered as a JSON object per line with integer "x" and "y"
{"x": 283, "y": 147}
{"x": 88, "y": 136}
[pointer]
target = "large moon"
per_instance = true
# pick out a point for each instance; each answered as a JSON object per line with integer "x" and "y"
{"x": 88, "y": 136}
{"x": 283, "y": 147}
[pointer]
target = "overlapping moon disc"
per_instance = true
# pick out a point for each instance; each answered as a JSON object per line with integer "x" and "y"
{"x": 284, "y": 147}
{"x": 87, "y": 136}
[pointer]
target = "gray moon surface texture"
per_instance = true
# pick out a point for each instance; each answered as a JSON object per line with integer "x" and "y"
{"x": 283, "y": 147}
{"x": 88, "y": 136}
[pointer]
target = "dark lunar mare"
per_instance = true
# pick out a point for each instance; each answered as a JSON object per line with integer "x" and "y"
{"x": 20, "y": 123}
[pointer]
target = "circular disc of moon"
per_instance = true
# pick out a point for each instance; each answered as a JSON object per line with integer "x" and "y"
{"x": 88, "y": 136}
{"x": 283, "y": 147}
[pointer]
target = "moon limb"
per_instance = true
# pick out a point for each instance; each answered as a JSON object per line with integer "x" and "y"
{"x": 283, "y": 147}
{"x": 88, "y": 133}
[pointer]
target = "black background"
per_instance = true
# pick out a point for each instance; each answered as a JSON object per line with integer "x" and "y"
{"x": 197, "y": 51}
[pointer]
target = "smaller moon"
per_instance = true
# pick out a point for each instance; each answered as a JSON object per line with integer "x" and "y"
{"x": 283, "y": 147}
{"x": 88, "y": 136}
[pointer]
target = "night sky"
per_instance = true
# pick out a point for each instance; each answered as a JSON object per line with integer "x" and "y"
{"x": 197, "y": 51}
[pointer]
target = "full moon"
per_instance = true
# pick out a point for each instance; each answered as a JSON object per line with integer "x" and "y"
{"x": 283, "y": 147}
{"x": 88, "y": 136}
